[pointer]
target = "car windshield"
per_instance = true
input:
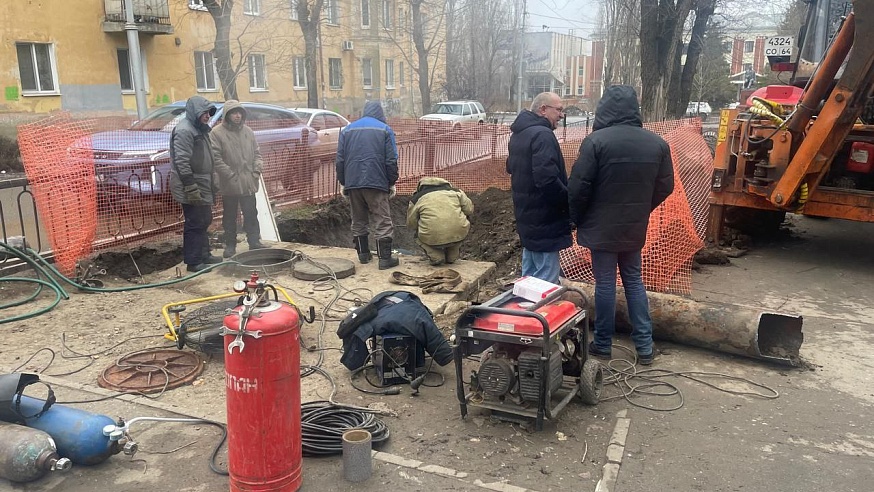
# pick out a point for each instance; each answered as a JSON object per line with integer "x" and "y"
{"x": 163, "y": 119}
{"x": 447, "y": 109}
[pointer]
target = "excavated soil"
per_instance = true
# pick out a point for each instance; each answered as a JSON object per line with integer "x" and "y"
{"x": 492, "y": 235}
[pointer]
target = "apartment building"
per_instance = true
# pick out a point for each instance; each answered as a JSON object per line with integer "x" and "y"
{"x": 74, "y": 56}
{"x": 558, "y": 63}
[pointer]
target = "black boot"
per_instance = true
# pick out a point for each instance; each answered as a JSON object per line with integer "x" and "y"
{"x": 383, "y": 248}
{"x": 362, "y": 245}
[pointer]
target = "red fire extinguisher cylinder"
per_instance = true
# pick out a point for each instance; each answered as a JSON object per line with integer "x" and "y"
{"x": 262, "y": 373}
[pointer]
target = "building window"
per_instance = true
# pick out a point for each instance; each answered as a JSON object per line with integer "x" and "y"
{"x": 204, "y": 71}
{"x": 335, "y": 73}
{"x": 748, "y": 67}
{"x": 386, "y": 14}
{"x": 389, "y": 74}
{"x": 36, "y": 66}
{"x": 367, "y": 72}
{"x": 567, "y": 90}
{"x": 402, "y": 20}
{"x": 299, "y": 69}
{"x": 125, "y": 70}
{"x": 332, "y": 12}
{"x": 365, "y": 14}
{"x": 580, "y": 90}
{"x": 257, "y": 73}
{"x": 292, "y": 6}
{"x": 749, "y": 46}
{"x": 401, "y": 73}
{"x": 252, "y": 7}
{"x": 196, "y": 5}
{"x": 580, "y": 71}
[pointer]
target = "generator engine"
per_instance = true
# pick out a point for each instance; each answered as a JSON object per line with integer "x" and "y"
{"x": 512, "y": 372}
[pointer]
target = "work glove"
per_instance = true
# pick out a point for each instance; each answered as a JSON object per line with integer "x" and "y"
{"x": 344, "y": 192}
{"x": 192, "y": 194}
{"x": 392, "y": 191}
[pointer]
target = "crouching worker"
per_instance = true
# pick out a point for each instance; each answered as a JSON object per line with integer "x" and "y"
{"x": 438, "y": 213}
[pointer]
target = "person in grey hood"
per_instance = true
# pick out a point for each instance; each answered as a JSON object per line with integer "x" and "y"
{"x": 238, "y": 164}
{"x": 538, "y": 179}
{"x": 191, "y": 182}
{"x": 367, "y": 169}
{"x": 622, "y": 174}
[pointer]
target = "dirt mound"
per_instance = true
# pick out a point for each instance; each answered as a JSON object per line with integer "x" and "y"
{"x": 492, "y": 232}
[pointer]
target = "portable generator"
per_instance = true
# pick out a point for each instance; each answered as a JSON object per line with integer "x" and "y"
{"x": 395, "y": 358}
{"x": 533, "y": 357}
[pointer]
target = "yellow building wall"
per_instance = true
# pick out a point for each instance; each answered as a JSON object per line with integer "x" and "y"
{"x": 87, "y": 67}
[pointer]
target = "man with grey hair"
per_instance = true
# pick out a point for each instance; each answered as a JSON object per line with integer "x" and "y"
{"x": 539, "y": 182}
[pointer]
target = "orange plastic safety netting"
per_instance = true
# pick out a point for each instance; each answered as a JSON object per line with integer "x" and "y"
{"x": 677, "y": 227}
{"x": 63, "y": 186}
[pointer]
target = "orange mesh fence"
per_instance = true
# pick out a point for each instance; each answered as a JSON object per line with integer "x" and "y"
{"x": 105, "y": 181}
{"x": 63, "y": 186}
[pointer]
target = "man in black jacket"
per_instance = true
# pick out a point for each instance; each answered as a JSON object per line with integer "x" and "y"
{"x": 622, "y": 174}
{"x": 539, "y": 182}
{"x": 191, "y": 180}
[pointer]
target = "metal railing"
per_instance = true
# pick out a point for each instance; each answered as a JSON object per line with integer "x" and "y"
{"x": 19, "y": 221}
{"x": 145, "y": 11}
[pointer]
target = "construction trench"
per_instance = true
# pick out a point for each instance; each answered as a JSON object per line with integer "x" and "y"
{"x": 493, "y": 238}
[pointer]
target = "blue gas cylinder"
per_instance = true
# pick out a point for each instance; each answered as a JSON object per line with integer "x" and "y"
{"x": 78, "y": 434}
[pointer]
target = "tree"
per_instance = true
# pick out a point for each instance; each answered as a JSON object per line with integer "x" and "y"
{"x": 682, "y": 80}
{"x": 620, "y": 21}
{"x": 221, "y": 12}
{"x": 661, "y": 33}
{"x": 309, "y": 17}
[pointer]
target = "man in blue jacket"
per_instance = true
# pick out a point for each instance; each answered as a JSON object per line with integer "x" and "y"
{"x": 622, "y": 174}
{"x": 367, "y": 169}
{"x": 539, "y": 182}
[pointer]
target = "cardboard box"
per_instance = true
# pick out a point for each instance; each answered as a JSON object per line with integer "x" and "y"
{"x": 533, "y": 289}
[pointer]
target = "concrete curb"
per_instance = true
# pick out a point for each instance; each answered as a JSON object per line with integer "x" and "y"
{"x": 615, "y": 452}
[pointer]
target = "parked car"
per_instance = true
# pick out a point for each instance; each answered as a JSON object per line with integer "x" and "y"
{"x": 457, "y": 112}
{"x": 138, "y": 159}
{"x": 698, "y": 108}
{"x": 327, "y": 123}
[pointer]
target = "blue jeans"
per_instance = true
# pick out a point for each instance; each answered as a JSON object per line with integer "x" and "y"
{"x": 541, "y": 264}
{"x": 604, "y": 267}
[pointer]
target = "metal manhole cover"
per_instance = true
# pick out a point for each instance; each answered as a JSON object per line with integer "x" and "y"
{"x": 318, "y": 268}
{"x": 151, "y": 371}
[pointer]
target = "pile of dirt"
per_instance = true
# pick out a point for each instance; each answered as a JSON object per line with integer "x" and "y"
{"x": 130, "y": 265}
{"x": 492, "y": 235}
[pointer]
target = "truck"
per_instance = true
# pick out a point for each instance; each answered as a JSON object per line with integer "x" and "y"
{"x": 806, "y": 148}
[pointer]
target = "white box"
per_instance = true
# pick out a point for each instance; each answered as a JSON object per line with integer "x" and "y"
{"x": 533, "y": 289}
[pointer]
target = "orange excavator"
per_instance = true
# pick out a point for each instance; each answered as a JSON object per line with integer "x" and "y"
{"x": 813, "y": 155}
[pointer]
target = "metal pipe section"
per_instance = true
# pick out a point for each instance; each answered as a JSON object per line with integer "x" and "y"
{"x": 136, "y": 61}
{"x": 764, "y": 335}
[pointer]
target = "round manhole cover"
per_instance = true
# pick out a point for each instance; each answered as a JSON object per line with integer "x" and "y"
{"x": 151, "y": 371}
{"x": 316, "y": 268}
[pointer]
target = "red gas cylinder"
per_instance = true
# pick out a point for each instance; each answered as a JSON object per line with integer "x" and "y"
{"x": 262, "y": 373}
{"x": 861, "y": 158}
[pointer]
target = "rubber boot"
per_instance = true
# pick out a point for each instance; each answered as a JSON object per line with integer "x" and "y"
{"x": 362, "y": 245}
{"x": 383, "y": 248}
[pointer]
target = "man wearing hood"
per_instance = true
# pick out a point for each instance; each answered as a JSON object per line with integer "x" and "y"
{"x": 539, "y": 182}
{"x": 367, "y": 169}
{"x": 238, "y": 164}
{"x": 439, "y": 215}
{"x": 191, "y": 180}
{"x": 622, "y": 174}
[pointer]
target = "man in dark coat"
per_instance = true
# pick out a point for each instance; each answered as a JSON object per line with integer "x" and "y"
{"x": 622, "y": 174}
{"x": 191, "y": 182}
{"x": 539, "y": 183}
{"x": 238, "y": 164}
{"x": 367, "y": 169}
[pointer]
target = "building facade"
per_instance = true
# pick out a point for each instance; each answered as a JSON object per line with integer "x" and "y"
{"x": 558, "y": 63}
{"x": 74, "y": 56}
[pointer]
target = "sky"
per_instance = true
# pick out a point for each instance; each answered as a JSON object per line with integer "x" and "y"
{"x": 577, "y": 17}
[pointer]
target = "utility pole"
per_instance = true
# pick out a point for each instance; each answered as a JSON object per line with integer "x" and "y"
{"x": 521, "y": 56}
{"x": 136, "y": 61}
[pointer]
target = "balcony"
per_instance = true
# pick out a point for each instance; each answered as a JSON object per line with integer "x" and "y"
{"x": 151, "y": 16}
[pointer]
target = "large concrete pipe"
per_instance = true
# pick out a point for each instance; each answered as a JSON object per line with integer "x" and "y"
{"x": 764, "y": 335}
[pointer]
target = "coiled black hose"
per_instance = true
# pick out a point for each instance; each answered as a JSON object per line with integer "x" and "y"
{"x": 323, "y": 424}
